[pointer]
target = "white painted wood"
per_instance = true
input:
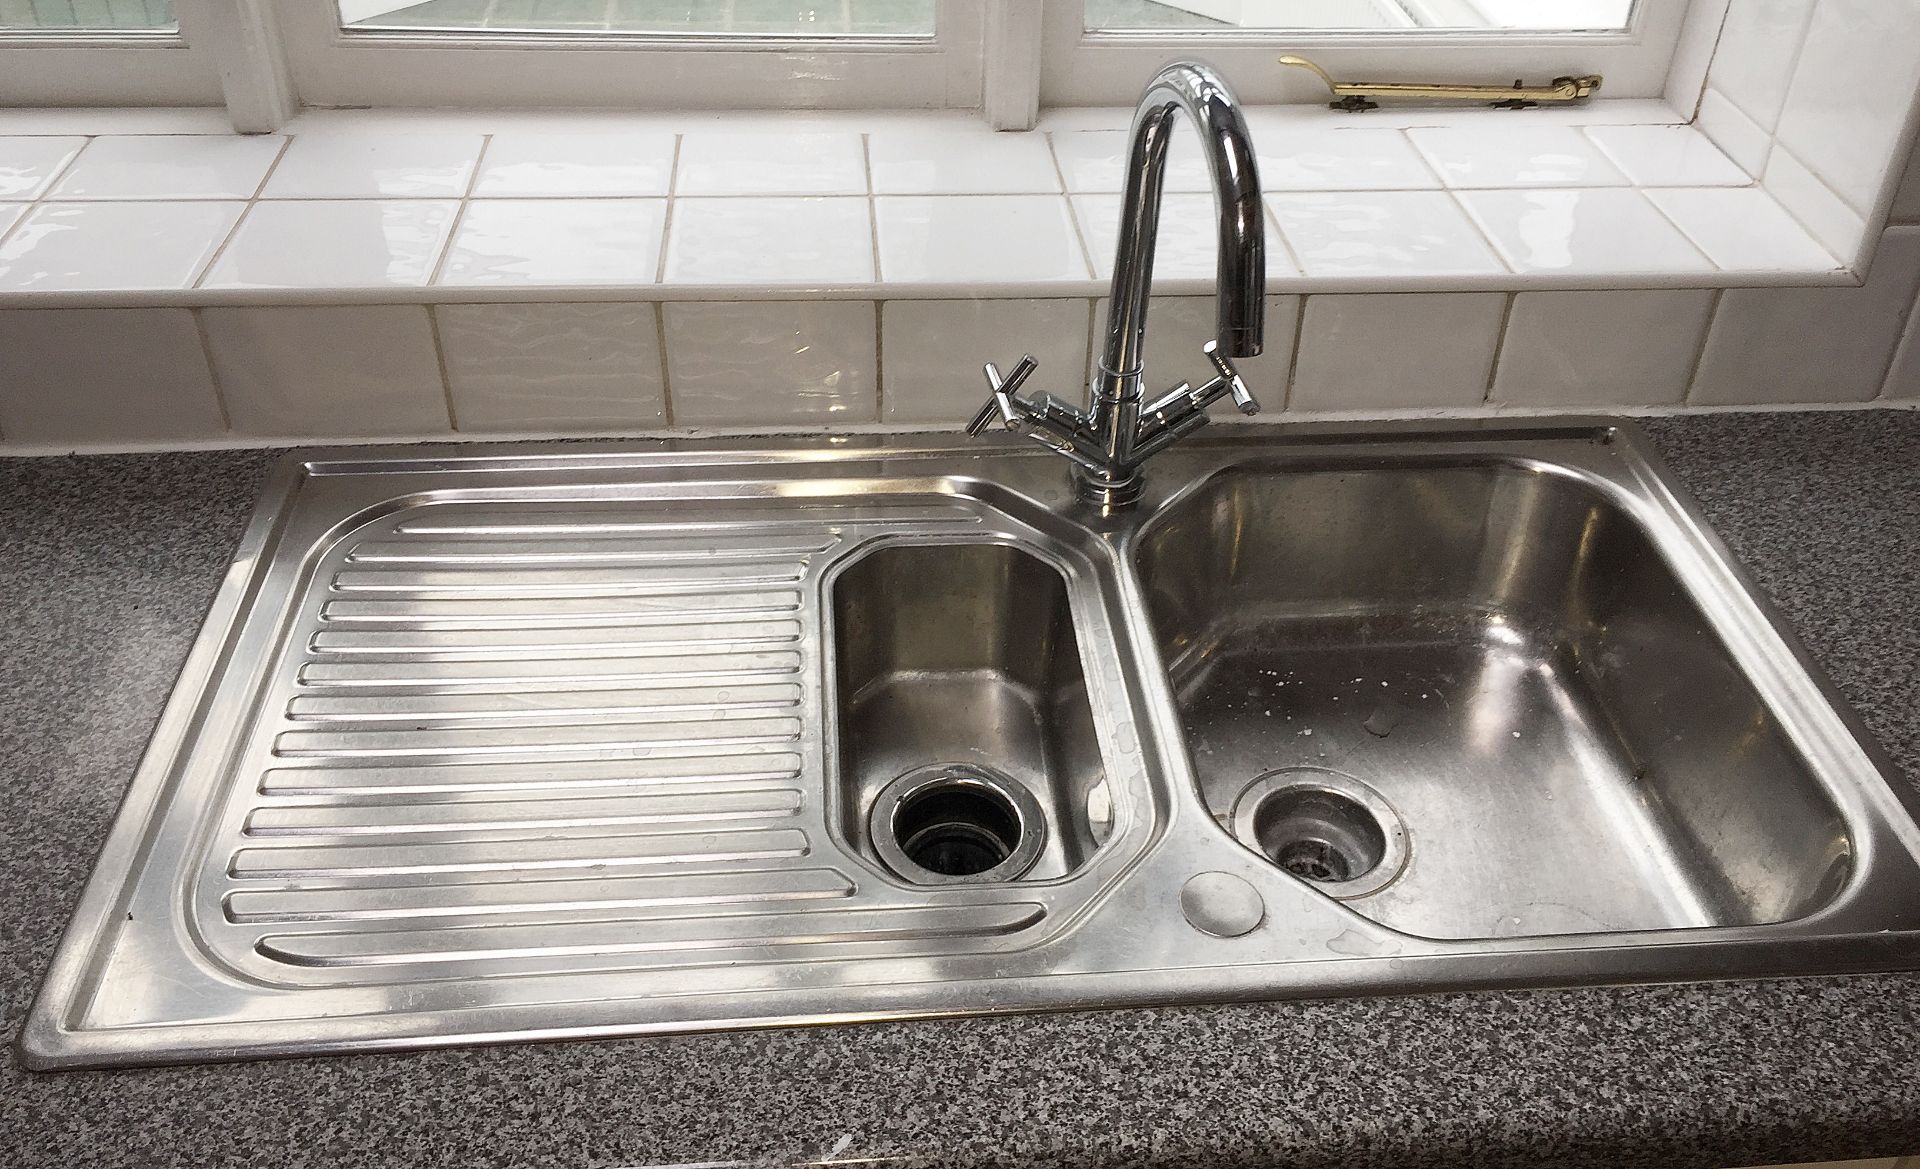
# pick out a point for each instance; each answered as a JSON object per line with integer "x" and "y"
{"x": 1093, "y": 69}
{"x": 242, "y": 40}
{"x": 1010, "y": 95}
{"x": 480, "y": 69}
{"x": 353, "y": 11}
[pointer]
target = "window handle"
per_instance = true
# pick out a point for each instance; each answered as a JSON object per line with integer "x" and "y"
{"x": 1355, "y": 96}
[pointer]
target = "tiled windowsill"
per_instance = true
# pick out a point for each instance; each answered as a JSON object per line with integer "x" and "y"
{"x": 141, "y": 208}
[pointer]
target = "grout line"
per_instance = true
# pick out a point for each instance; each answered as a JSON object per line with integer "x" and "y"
{"x": 873, "y": 211}
{"x": 666, "y": 378}
{"x": 1073, "y": 212}
{"x": 1824, "y": 185}
{"x": 213, "y": 261}
{"x": 53, "y": 180}
{"x": 440, "y": 360}
{"x": 1706, "y": 338}
{"x": 1293, "y": 361}
{"x": 1272, "y": 219}
{"x": 879, "y": 361}
{"x": 1420, "y": 156}
{"x": 1909, "y": 341}
{"x": 1686, "y": 235}
{"x": 260, "y": 188}
{"x": 666, "y": 223}
{"x": 440, "y": 262}
{"x": 479, "y": 162}
{"x": 1500, "y": 346}
{"x": 1486, "y": 233}
{"x": 213, "y": 370}
{"x": 1706, "y": 74}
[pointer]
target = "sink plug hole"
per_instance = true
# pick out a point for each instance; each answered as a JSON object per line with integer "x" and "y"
{"x": 958, "y": 830}
{"x": 1320, "y": 836}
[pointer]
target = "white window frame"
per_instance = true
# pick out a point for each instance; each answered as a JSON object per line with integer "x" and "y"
{"x": 1106, "y": 69}
{"x": 334, "y": 67}
{"x": 1006, "y": 58}
{"x": 108, "y": 68}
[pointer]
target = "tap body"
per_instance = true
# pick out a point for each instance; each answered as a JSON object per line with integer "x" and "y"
{"x": 1110, "y": 441}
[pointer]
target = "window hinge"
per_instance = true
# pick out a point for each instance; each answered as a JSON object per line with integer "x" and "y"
{"x": 1356, "y": 96}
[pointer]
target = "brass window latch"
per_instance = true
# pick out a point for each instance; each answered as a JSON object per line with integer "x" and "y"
{"x": 1353, "y": 97}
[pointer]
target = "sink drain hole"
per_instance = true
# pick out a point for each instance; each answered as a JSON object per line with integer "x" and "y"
{"x": 957, "y": 823}
{"x": 1319, "y": 835}
{"x": 1323, "y": 827}
{"x": 957, "y": 830}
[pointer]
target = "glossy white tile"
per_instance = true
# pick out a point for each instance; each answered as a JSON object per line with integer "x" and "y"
{"x": 10, "y": 214}
{"x": 1813, "y": 203}
{"x": 1759, "y": 45}
{"x": 961, "y": 162}
{"x": 1504, "y": 153}
{"x": 1601, "y": 233}
{"x": 66, "y": 247}
{"x": 1188, "y": 245}
{"x": 335, "y": 243}
{"x": 1397, "y": 351}
{"x": 539, "y": 241}
{"x": 181, "y": 166}
{"x": 1743, "y": 229}
{"x": 28, "y": 165}
{"x": 1341, "y": 160}
{"x": 1668, "y": 156}
{"x": 553, "y": 367}
{"x": 1602, "y": 348}
{"x": 104, "y": 375}
{"x": 771, "y": 162}
{"x": 579, "y": 164}
{"x": 336, "y": 372}
{"x": 1096, "y": 161}
{"x": 977, "y": 239}
{"x": 933, "y": 350}
{"x": 770, "y": 241}
{"x": 1847, "y": 114}
{"x": 375, "y": 164}
{"x": 1177, "y": 328}
{"x": 1383, "y": 233}
{"x": 772, "y": 362}
{"x": 1744, "y": 140}
{"x": 1797, "y": 345}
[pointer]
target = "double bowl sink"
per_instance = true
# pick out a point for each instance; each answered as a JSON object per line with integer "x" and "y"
{"x": 583, "y": 741}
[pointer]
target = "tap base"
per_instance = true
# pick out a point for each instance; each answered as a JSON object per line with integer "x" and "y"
{"x": 1109, "y": 494}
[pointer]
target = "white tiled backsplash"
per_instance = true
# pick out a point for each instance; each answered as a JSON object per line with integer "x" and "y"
{"x": 641, "y": 273}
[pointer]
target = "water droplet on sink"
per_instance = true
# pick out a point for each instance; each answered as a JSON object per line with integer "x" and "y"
{"x": 1381, "y": 722}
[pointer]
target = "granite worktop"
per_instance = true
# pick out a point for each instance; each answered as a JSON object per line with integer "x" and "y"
{"x": 107, "y": 564}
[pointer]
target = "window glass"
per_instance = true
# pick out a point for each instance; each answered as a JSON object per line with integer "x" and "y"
{"x": 71, "y": 16}
{"x": 1530, "y": 16}
{"x": 690, "y": 18}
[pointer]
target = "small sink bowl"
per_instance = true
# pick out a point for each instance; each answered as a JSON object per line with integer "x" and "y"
{"x": 1499, "y": 654}
{"x": 966, "y": 742}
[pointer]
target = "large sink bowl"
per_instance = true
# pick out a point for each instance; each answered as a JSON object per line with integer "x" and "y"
{"x": 546, "y": 742}
{"x": 1499, "y": 663}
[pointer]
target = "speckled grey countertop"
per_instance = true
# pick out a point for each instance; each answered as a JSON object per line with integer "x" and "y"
{"x": 106, "y": 564}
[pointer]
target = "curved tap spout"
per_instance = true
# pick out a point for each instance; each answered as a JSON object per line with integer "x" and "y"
{"x": 1120, "y": 430}
{"x": 1205, "y": 97}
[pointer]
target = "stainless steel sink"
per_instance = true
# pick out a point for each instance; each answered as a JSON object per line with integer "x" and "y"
{"x": 481, "y": 745}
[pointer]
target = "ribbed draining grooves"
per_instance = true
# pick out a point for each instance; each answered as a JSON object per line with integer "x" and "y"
{"x": 544, "y": 738}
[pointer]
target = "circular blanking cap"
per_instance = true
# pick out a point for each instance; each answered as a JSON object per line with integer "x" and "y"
{"x": 1222, "y": 904}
